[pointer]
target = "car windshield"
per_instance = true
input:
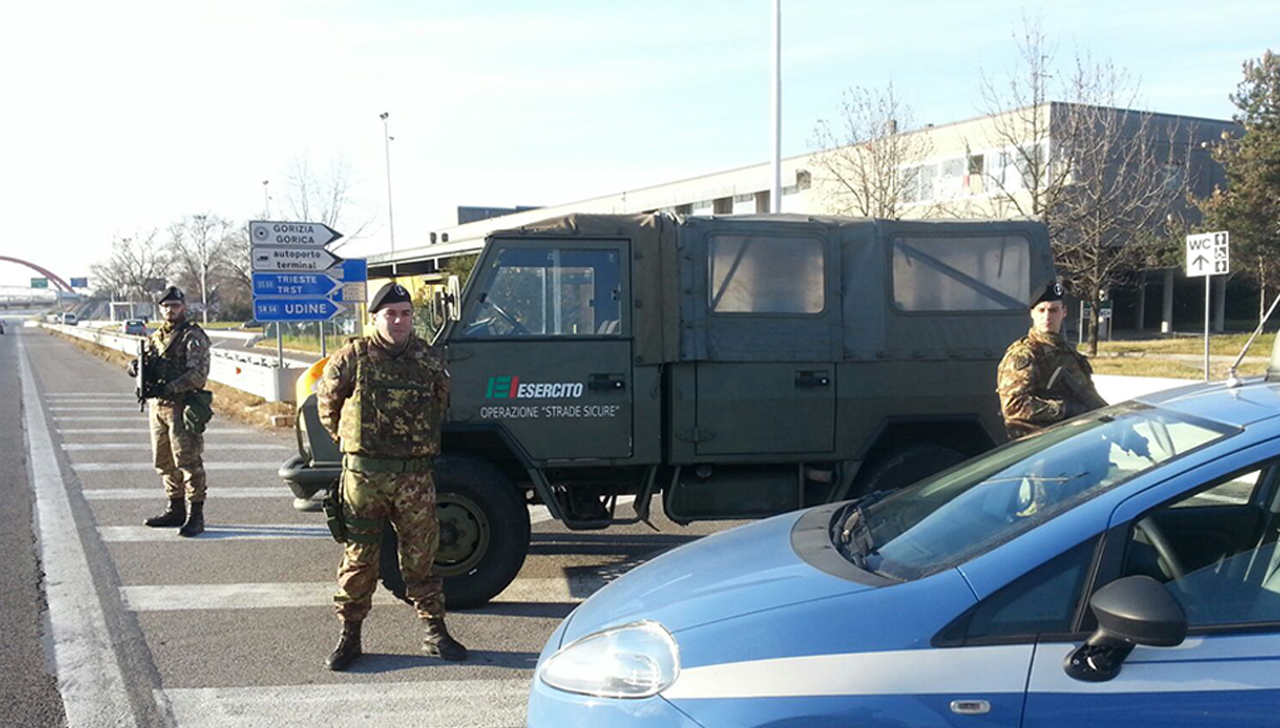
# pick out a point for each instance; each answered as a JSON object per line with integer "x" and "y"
{"x": 946, "y": 520}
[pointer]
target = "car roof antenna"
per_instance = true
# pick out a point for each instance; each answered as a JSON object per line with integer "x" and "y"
{"x": 1273, "y": 369}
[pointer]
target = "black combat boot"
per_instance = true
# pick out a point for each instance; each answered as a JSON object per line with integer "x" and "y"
{"x": 348, "y": 648}
{"x": 174, "y": 515}
{"x": 437, "y": 642}
{"x": 195, "y": 524}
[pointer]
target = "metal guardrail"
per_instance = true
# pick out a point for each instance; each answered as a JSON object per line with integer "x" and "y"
{"x": 256, "y": 374}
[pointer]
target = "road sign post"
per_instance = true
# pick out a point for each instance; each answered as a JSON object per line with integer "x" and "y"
{"x": 1208, "y": 255}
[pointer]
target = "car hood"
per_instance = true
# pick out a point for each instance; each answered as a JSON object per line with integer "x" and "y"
{"x": 746, "y": 569}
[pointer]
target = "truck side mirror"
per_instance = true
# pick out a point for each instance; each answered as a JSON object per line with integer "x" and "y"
{"x": 453, "y": 299}
{"x": 1135, "y": 610}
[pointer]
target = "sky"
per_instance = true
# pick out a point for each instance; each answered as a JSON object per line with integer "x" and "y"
{"x": 118, "y": 118}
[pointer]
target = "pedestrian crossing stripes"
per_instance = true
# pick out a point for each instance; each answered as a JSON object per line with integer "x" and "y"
{"x": 77, "y": 447}
{"x": 266, "y": 465}
{"x": 498, "y": 703}
{"x": 146, "y": 431}
{"x": 568, "y": 589}
{"x": 217, "y": 531}
{"x": 104, "y": 494}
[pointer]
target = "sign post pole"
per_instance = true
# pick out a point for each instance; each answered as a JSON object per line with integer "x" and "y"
{"x": 1208, "y": 255}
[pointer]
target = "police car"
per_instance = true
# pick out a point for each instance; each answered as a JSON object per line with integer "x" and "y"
{"x": 1118, "y": 569}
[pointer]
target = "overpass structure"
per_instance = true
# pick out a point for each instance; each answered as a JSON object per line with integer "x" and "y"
{"x": 57, "y": 281}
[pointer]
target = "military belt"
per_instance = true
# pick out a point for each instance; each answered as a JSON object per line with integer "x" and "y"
{"x": 366, "y": 464}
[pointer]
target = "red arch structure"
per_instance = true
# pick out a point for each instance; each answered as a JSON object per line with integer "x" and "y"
{"x": 56, "y": 280}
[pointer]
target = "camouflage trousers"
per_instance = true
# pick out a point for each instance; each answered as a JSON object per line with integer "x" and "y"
{"x": 177, "y": 454}
{"x": 408, "y": 500}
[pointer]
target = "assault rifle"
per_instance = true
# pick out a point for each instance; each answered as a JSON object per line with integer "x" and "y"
{"x": 146, "y": 381}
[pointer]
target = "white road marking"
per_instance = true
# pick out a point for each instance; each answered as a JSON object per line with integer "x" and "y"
{"x": 85, "y": 409}
{"x": 216, "y": 531}
{"x": 70, "y": 447}
{"x": 142, "y": 417}
{"x": 90, "y": 395}
{"x": 147, "y": 431}
{"x": 89, "y": 676}
{"x": 264, "y": 465}
{"x": 454, "y": 703}
{"x": 195, "y": 597}
{"x": 100, "y": 494}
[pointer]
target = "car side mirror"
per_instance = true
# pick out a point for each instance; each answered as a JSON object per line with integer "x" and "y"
{"x": 1132, "y": 611}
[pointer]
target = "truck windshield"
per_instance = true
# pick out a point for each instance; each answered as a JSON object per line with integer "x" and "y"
{"x": 545, "y": 291}
{"x": 946, "y": 520}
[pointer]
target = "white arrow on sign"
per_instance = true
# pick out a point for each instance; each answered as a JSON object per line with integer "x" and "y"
{"x": 310, "y": 234}
{"x": 1208, "y": 254}
{"x": 285, "y": 259}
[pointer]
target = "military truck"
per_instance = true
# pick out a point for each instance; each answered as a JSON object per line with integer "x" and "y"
{"x": 739, "y": 366}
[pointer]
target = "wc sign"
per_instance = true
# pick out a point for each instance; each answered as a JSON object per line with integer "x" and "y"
{"x": 1209, "y": 254}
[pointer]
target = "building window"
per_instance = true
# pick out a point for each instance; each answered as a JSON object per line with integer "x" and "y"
{"x": 976, "y": 164}
{"x": 702, "y": 206}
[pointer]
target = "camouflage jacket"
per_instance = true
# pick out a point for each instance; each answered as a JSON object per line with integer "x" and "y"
{"x": 182, "y": 358}
{"x": 1023, "y": 378}
{"x": 379, "y": 404}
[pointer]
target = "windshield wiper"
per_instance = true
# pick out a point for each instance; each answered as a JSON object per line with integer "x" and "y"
{"x": 856, "y": 532}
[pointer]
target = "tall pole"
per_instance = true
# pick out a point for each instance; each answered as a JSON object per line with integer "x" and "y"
{"x": 391, "y": 221}
{"x": 266, "y": 199}
{"x": 775, "y": 197}
{"x": 1206, "y": 326}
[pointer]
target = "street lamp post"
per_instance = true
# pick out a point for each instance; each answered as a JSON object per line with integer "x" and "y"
{"x": 391, "y": 222}
{"x": 266, "y": 199}
{"x": 203, "y": 247}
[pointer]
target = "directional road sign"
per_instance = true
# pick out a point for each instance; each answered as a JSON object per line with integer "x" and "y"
{"x": 1209, "y": 254}
{"x": 292, "y": 259}
{"x": 307, "y": 234}
{"x": 39, "y": 282}
{"x": 284, "y": 309}
{"x": 79, "y": 282}
{"x": 268, "y": 285}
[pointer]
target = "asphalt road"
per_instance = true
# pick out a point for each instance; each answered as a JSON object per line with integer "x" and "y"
{"x": 133, "y": 626}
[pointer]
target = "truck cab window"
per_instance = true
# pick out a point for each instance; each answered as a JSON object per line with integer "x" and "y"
{"x": 547, "y": 292}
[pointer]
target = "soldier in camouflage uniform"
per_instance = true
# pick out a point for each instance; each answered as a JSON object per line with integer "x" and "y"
{"x": 1026, "y": 402}
{"x": 382, "y": 397}
{"x": 181, "y": 351}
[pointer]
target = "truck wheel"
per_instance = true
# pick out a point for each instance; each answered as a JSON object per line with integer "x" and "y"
{"x": 484, "y": 534}
{"x": 905, "y": 465}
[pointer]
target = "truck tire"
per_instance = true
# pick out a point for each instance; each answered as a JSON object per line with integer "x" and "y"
{"x": 905, "y": 465}
{"x": 484, "y": 534}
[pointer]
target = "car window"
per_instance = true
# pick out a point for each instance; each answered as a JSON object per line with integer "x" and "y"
{"x": 949, "y": 519}
{"x": 1043, "y": 601}
{"x": 1215, "y": 550}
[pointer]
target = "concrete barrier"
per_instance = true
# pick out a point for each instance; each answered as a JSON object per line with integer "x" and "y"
{"x": 253, "y": 373}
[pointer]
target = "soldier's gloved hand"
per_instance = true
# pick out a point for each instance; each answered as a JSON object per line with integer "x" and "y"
{"x": 133, "y": 368}
{"x": 1072, "y": 408}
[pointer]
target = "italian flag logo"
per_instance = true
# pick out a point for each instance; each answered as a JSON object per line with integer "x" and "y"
{"x": 502, "y": 387}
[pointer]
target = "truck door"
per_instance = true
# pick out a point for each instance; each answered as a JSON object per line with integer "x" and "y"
{"x": 543, "y": 348}
{"x": 768, "y": 340}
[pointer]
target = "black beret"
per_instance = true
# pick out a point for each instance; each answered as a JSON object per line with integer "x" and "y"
{"x": 172, "y": 293}
{"x": 390, "y": 293}
{"x": 1051, "y": 291}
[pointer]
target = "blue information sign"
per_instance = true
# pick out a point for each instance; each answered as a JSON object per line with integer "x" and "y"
{"x": 79, "y": 282}
{"x": 292, "y": 284}
{"x": 295, "y": 309}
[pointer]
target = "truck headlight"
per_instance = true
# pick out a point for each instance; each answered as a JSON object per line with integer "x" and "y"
{"x": 636, "y": 660}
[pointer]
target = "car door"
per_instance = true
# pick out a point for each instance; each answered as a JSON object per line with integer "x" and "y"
{"x": 1211, "y": 540}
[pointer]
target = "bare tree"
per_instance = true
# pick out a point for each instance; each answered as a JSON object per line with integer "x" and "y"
{"x": 1102, "y": 177}
{"x": 200, "y": 246}
{"x": 867, "y": 166}
{"x": 137, "y": 262}
{"x": 324, "y": 198}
